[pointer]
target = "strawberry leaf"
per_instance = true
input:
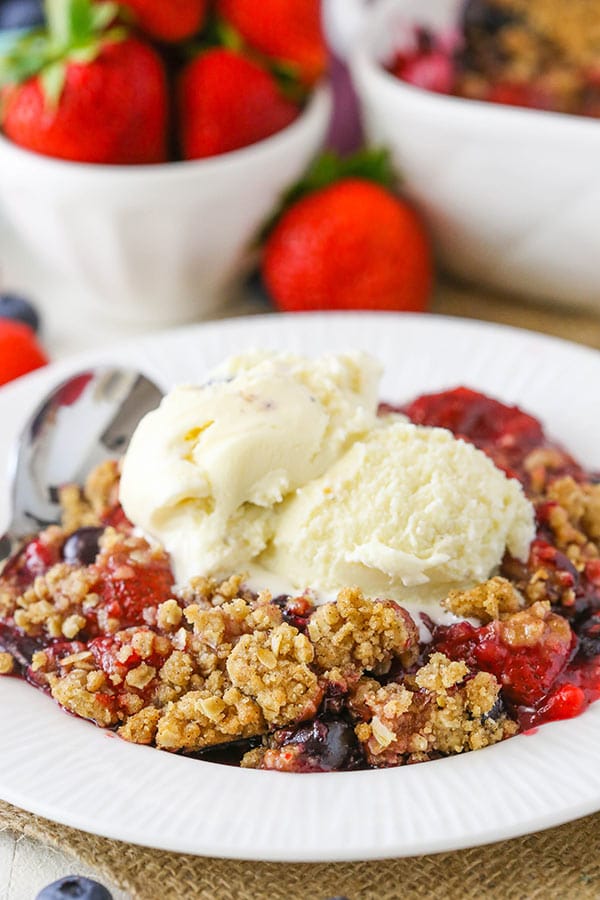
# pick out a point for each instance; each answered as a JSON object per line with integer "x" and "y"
{"x": 103, "y": 14}
{"x": 52, "y": 80}
{"x": 26, "y": 59}
{"x": 370, "y": 164}
{"x": 228, "y": 36}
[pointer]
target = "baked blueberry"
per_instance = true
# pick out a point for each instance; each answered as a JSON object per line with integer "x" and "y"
{"x": 81, "y": 548}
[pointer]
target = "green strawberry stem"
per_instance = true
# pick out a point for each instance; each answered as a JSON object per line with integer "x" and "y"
{"x": 370, "y": 163}
{"x": 77, "y": 23}
{"x": 75, "y": 32}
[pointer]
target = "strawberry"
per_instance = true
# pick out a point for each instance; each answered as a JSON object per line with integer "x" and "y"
{"x": 19, "y": 351}
{"x": 226, "y": 102}
{"x": 349, "y": 245}
{"x": 165, "y": 20}
{"x": 286, "y": 30}
{"x": 81, "y": 93}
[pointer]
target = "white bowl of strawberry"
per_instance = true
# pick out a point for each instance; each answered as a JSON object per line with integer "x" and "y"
{"x": 490, "y": 110}
{"x": 143, "y": 145}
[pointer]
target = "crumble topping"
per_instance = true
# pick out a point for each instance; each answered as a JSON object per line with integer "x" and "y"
{"x": 217, "y": 713}
{"x": 7, "y": 663}
{"x": 273, "y": 668}
{"x": 439, "y": 710}
{"x": 574, "y": 27}
{"x": 487, "y": 601}
{"x": 87, "y": 506}
{"x": 356, "y": 634}
{"x": 535, "y": 625}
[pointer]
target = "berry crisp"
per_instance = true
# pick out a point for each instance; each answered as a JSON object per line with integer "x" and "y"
{"x": 90, "y": 614}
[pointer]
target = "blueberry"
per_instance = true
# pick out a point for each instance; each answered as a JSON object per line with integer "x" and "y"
{"x": 496, "y": 712}
{"x": 486, "y": 16}
{"x": 329, "y": 743}
{"x": 14, "y": 307}
{"x": 589, "y": 637}
{"x": 81, "y": 548}
{"x": 74, "y": 887}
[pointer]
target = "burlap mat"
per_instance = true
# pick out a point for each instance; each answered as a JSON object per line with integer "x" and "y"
{"x": 561, "y": 863}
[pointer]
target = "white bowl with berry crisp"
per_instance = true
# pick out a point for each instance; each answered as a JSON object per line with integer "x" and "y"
{"x": 490, "y": 109}
{"x": 344, "y": 714}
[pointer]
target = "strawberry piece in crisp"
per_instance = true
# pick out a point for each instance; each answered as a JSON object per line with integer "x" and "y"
{"x": 526, "y": 652}
{"x": 131, "y": 590}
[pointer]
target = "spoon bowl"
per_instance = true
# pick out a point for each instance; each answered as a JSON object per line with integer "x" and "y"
{"x": 93, "y": 414}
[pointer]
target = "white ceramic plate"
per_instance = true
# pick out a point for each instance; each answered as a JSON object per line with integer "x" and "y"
{"x": 72, "y": 772}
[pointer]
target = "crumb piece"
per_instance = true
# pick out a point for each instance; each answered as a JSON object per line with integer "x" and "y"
{"x": 489, "y": 600}
{"x": 95, "y": 681}
{"x": 215, "y": 714}
{"x": 141, "y": 727}
{"x": 358, "y": 634}
{"x": 440, "y": 673}
{"x": 177, "y": 670}
{"x": 533, "y": 625}
{"x": 82, "y": 508}
{"x": 53, "y": 602}
{"x": 71, "y": 692}
{"x": 102, "y": 487}
{"x": 169, "y": 615}
{"x": 143, "y": 643}
{"x": 72, "y": 625}
{"x": 208, "y": 592}
{"x": 76, "y": 511}
{"x": 581, "y": 503}
{"x": 7, "y": 663}
{"x": 140, "y": 677}
{"x": 253, "y": 759}
{"x": 273, "y": 668}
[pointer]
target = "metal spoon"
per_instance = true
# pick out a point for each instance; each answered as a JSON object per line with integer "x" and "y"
{"x": 85, "y": 420}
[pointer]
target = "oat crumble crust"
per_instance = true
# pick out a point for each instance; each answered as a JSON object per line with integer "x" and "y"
{"x": 552, "y": 44}
{"x": 356, "y": 634}
{"x": 571, "y": 25}
{"x": 492, "y": 599}
{"x": 439, "y": 710}
{"x": 85, "y": 507}
{"x": 273, "y": 667}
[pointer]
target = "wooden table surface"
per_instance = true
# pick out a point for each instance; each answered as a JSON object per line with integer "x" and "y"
{"x": 26, "y": 866}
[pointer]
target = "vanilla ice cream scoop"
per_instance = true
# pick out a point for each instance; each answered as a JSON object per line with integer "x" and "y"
{"x": 407, "y": 512}
{"x": 204, "y": 472}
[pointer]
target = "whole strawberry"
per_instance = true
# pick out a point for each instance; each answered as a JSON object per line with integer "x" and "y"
{"x": 19, "y": 350}
{"x": 167, "y": 20}
{"x": 287, "y": 30}
{"x": 83, "y": 93}
{"x": 349, "y": 245}
{"x": 226, "y": 102}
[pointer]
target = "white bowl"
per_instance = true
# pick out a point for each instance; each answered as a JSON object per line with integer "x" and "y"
{"x": 512, "y": 196}
{"x": 159, "y": 244}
